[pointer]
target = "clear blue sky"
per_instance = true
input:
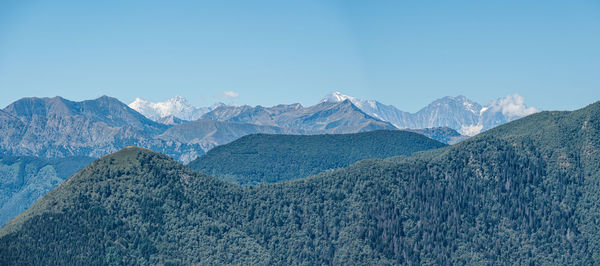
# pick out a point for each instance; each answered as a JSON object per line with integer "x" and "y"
{"x": 405, "y": 53}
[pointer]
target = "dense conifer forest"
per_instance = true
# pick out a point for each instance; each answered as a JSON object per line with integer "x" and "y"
{"x": 260, "y": 158}
{"x": 527, "y": 192}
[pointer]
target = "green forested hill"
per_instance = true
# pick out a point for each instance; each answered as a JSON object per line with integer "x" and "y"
{"x": 527, "y": 192}
{"x": 260, "y": 158}
{"x": 25, "y": 179}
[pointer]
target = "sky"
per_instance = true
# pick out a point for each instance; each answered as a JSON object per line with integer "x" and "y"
{"x": 403, "y": 53}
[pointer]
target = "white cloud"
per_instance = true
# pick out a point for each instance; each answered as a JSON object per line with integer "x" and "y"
{"x": 512, "y": 106}
{"x": 470, "y": 130}
{"x": 230, "y": 94}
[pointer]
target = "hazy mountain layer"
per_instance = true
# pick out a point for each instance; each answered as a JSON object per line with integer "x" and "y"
{"x": 522, "y": 193}
{"x": 260, "y": 158}
{"x": 208, "y": 133}
{"x": 23, "y": 180}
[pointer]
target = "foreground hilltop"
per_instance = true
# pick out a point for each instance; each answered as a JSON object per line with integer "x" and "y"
{"x": 525, "y": 192}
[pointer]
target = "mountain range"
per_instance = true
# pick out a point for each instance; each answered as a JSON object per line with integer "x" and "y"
{"x": 338, "y": 117}
{"x": 465, "y": 116}
{"x": 56, "y": 127}
{"x": 459, "y": 113}
{"x": 525, "y": 192}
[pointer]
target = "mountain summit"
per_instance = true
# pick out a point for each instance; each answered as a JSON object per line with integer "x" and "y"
{"x": 325, "y": 117}
{"x": 459, "y": 113}
{"x": 56, "y": 127}
{"x": 177, "y": 107}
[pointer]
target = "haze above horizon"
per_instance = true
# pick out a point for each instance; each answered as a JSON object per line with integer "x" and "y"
{"x": 270, "y": 52}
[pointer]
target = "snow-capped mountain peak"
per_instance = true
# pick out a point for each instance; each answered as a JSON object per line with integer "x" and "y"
{"x": 459, "y": 113}
{"x": 471, "y": 106}
{"x": 335, "y": 97}
{"x": 176, "y": 106}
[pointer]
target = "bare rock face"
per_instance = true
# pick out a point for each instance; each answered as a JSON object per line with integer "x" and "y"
{"x": 459, "y": 113}
{"x": 322, "y": 118}
{"x": 56, "y": 127}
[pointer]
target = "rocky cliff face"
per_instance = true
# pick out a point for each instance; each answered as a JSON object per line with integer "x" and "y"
{"x": 325, "y": 117}
{"x": 56, "y": 127}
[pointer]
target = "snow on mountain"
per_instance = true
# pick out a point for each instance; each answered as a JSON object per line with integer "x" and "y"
{"x": 336, "y": 97}
{"x": 459, "y": 113}
{"x": 373, "y": 108}
{"x": 322, "y": 118}
{"x": 177, "y": 107}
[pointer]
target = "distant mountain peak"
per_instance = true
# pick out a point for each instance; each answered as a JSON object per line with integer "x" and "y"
{"x": 176, "y": 106}
{"x": 459, "y": 101}
{"x": 365, "y": 105}
{"x": 457, "y": 112}
{"x": 177, "y": 98}
{"x": 101, "y": 97}
{"x": 335, "y": 97}
{"x": 170, "y": 120}
{"x": 217, "y": 105}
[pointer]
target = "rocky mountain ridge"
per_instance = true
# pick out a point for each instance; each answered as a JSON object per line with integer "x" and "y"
{"x": 459, "y": 113}
{"x": 56, "y": 127}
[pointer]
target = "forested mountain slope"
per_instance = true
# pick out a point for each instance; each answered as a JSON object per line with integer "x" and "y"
{"x": 527, "y": 192}
{"x": 260, "y": 158}
{"x": 133, "y": 206}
